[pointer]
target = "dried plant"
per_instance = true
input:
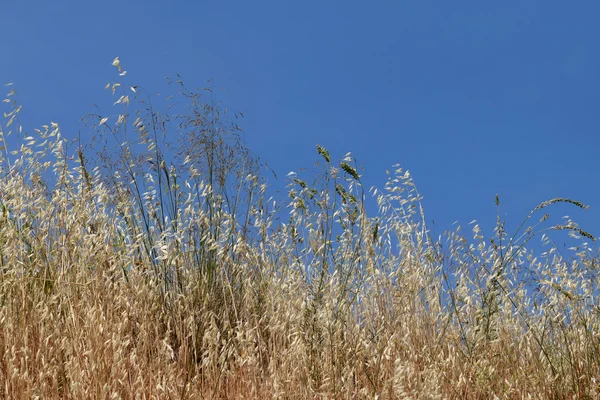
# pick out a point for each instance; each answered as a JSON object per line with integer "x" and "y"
{"x": 158, "y": 267}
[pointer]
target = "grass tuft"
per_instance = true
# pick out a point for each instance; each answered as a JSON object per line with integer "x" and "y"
{"x": 157, "y": 266}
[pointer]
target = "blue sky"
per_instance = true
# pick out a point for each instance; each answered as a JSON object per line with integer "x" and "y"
{"x": 473, "y": 97}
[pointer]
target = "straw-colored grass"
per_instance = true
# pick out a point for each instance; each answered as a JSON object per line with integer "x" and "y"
{"x": 138, "y": 277}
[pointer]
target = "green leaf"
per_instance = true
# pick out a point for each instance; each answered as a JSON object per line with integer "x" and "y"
{"x": 349, "y": 170}
{"x": 300, "y": 182}
{"x": 324, "y": 153}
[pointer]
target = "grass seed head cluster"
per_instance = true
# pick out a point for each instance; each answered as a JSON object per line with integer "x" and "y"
{"x": 159, "y": 267}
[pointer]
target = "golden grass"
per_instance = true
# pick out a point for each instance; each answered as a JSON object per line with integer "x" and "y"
{"x": 101, "y": 296}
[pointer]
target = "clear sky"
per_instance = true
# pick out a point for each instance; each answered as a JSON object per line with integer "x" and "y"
{"x": 473, "y": 97}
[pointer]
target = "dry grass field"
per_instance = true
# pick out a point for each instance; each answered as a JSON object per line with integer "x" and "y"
{"x": 152, "y": 270}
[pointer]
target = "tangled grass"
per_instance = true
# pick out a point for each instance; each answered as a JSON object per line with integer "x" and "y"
{"x": 142, "y": 278}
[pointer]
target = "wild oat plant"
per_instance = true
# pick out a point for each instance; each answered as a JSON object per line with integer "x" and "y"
{"x": 158, "y": 267}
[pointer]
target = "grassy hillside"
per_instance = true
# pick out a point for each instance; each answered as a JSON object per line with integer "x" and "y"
{"x": 156, "y": 265}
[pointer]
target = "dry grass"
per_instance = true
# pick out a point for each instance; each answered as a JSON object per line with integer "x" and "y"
{"x": 143, "y": 280}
